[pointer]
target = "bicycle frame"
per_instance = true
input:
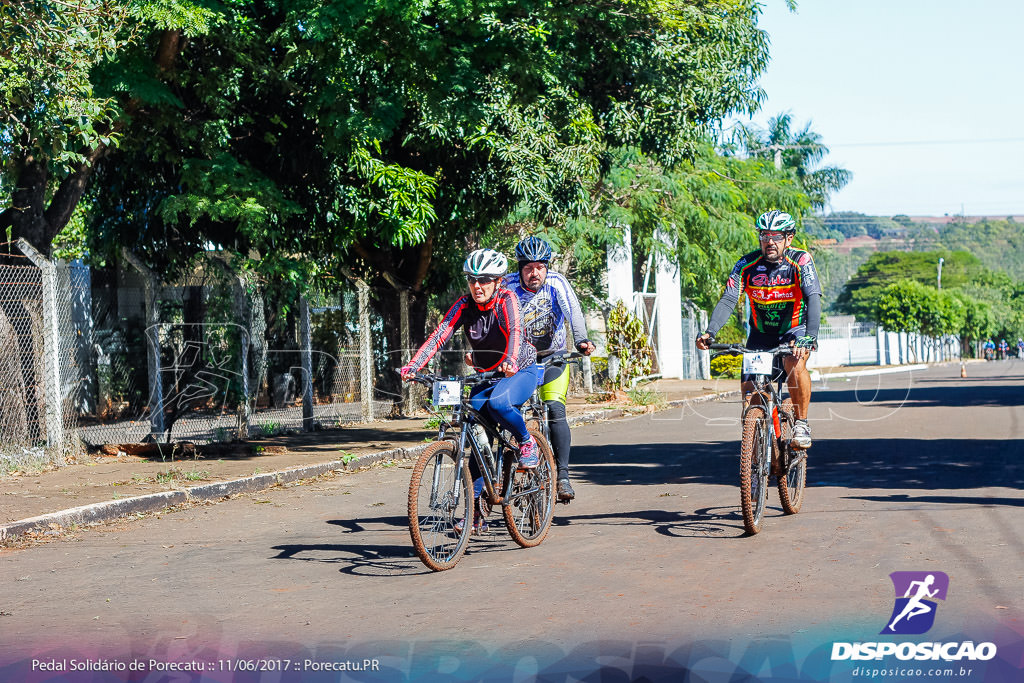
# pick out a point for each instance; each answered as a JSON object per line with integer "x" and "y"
{"x": 766, "y": 394}
{"x": 465, "y": 417}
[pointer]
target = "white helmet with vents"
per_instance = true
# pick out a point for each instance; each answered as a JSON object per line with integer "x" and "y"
{"x": 485, "y": 263}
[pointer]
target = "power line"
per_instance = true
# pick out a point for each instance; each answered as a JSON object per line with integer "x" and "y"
{"x": 890, "y": 143}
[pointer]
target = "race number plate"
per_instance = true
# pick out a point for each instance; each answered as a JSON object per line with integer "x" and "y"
{"x": 447, "y": 393}
{"x": 757, "y": 363}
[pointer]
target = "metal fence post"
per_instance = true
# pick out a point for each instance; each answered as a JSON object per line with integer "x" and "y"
{"x": 703, "y": 357}
{"x": 156, "y": 385}
{"x": 403, "y": 303}
{"x": 54, "y": 414}
{"x": 243, "y": 313}
{"x": 306, "y": 333}
{"x": 365, "y": 353}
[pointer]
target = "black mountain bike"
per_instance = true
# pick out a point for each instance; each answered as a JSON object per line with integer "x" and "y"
{"x": 441, "y": 503}
{"x": 766, "y": 447}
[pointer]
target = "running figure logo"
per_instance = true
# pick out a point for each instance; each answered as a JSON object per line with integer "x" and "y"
{"x": 913, "y": 612}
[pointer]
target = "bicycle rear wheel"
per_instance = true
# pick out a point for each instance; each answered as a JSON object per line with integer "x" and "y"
{"x": 754, "y": 468}
{"x": 440, "y": 494}
{"x": 793, "y": 475}
{"x": 531, "y": 502}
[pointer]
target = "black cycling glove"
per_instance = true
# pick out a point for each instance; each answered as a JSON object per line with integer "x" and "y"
{"x": 807, "y": 342}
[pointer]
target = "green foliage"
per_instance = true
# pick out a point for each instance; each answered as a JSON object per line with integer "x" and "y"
{"x": 727, "y": 366}
{"x": 862, "y": 291}
{"x": 909, "y": 306}
{"x": 998, "y": 244}
{"x": 699, "y": 214}
{"x": 627, "y": 341}
{"x": 835, "y": 269}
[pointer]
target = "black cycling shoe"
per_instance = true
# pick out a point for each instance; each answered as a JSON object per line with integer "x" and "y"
{"x": 565, "y": 492}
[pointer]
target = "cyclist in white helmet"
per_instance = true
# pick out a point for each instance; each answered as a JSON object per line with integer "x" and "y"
{"x": 785, "y": 306}
{"x": 489, "y": 317}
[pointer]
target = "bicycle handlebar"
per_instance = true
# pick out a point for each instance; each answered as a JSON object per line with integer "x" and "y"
{"x": 475, "y": 378}
{"x": 739, "y": 348}
{"x": 560, "y": 356}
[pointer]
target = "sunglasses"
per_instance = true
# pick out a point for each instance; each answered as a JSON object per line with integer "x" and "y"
{"x": 484, "y": 280}
{"x": 773, "y": 236}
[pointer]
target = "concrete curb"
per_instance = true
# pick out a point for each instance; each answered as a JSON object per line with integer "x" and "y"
{"x": 155, "y": 502}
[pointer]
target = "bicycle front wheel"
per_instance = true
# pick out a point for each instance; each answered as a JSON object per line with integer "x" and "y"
{"x": 793, "y": 472}
{"x": 531, "y": 501}
{"x": 440, "y": 496}
{"x": 754, "y": 468}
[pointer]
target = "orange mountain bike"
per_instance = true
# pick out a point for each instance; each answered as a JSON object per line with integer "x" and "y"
{"x": 766, "y": 447}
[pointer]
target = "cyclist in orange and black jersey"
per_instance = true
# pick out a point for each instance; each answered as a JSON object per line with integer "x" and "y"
{"x": 785, "y": 306}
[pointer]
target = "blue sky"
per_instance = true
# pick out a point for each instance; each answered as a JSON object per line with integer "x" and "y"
{"x": 874, "y": 75}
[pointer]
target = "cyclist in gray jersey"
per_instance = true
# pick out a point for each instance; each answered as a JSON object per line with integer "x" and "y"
{"x": 546, "y": 301}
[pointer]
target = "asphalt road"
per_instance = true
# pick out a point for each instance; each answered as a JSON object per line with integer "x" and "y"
{"x": 647, "y": 571}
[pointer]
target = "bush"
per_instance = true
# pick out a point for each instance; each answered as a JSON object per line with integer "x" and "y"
{"x": 727, "y": 366}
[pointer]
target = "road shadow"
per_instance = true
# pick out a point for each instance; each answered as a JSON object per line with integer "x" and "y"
{"x": 372, "y": 558}
{"x": 717, "y": 522}
{"x": 859, "y": 463}
{"x": 924, "y": 392}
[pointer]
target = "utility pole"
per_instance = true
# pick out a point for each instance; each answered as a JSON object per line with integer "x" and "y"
{"x": 940, "y": 272}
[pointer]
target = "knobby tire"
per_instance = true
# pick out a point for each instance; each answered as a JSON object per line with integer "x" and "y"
{"x": 528, "y": 518}
{"x": 753, "y": 469}
{"x": 434, "y": 537}
{"x": 792, "y": 480}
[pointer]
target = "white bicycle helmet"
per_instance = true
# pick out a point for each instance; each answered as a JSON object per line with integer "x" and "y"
{"x": 485, "y": 263}
{"x": 776, "y": 221}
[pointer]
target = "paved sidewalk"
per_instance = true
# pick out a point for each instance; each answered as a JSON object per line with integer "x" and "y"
{"x": 107, "y": 485}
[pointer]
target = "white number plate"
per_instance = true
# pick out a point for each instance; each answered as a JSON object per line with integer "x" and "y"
{"x": 757, "y": 363}
{"x": 447, "y": 393}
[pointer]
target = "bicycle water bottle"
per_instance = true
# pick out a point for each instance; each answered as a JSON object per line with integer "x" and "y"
{"x": 484, "y": 444}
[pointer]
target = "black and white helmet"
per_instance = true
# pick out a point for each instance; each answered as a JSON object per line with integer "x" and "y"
{"x": 776, "y": 221}
{"x": 485, "y": 263}
{"x": 533, "y": 249}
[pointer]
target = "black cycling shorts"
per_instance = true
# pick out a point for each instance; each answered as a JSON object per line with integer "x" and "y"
{"x": 761, "y": 341}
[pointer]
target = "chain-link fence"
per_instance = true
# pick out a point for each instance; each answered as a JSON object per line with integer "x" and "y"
{"x": 41, "y": 336}
{"x": 213, "y": 356}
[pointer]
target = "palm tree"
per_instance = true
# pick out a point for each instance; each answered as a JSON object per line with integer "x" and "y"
{"x": 798, "y": 153}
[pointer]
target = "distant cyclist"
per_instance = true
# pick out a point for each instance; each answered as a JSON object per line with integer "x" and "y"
{"x": 1004, "y": 350}
{"x": 785, "y": 306}
{"x": 989, "y": 349}
{"x": 546, "y": 301}
{"x": 489, "y": 317}
{"x": 1020, "y": 347}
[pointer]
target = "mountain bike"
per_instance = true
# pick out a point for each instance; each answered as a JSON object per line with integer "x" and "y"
{"x": 441, "y": 491}
{"x": 766, "y": 447}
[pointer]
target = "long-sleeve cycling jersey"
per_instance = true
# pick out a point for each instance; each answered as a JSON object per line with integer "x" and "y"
{"x": 494, "y": 330}
{"x": 544, "y": 311}
{"x": 783, "y": 295}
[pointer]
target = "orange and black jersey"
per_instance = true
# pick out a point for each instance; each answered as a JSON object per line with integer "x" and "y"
{"x": 778, "y": 293}
{"x": 495, "y": 332}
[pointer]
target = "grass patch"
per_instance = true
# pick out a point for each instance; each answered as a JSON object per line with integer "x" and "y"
{"x": 645, "y": 397}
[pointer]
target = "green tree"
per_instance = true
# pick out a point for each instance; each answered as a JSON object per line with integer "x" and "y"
{"x": 799, "y": 151}
{"x": 54, "y": 126}
{"x": 883, "y": 268}
{"x": 386, "y": 139}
